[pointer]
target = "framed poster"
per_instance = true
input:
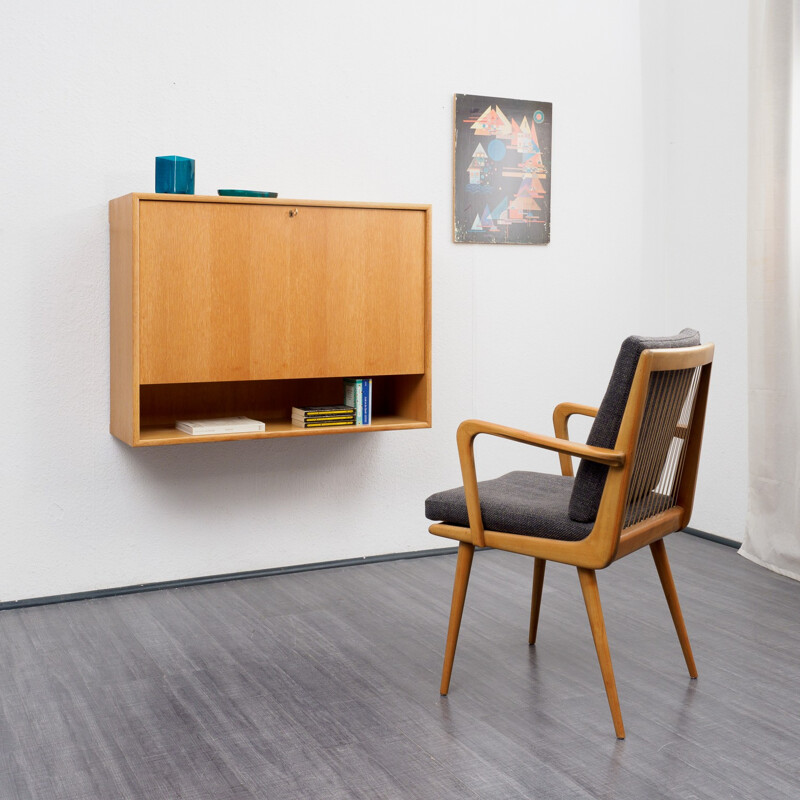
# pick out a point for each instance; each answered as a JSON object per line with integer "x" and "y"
{"x": 501, "y": 186}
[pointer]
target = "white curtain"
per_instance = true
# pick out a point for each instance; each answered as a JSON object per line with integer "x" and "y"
{"x": 772, "y": 536}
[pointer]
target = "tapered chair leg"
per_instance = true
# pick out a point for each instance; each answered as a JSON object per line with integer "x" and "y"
{"x": 463, "y": 566}
{"x": 659, "y": 552}
{"x": 536, "y": 597}
{"x": 591, "y": 596}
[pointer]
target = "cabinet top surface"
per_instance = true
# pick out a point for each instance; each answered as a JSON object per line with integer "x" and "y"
{"x": 271, "y": 201}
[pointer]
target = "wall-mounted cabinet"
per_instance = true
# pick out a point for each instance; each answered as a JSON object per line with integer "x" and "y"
{"x": 228, "y": 306}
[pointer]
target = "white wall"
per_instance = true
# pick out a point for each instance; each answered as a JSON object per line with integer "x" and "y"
{"x": 653, "y": 238}
{"x": 695, "y": 220}
{"x": 348, "y": 101}
{"x": 549, "y": 321}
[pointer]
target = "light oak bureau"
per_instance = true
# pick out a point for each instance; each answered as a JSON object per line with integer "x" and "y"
{"x": 237, "y": 306}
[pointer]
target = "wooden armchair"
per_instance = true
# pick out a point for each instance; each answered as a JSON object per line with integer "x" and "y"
{"x": 635, "y": 484}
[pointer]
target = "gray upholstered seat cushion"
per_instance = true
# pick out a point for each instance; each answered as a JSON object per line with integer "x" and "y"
{"x": 526, "y": 503}
{"x": 590, "y": 477}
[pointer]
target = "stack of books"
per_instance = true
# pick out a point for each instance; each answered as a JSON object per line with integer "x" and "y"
{"x": 212, "y": 427}
{"x": 322, "y": 416}
{"x": 358, "y": 395}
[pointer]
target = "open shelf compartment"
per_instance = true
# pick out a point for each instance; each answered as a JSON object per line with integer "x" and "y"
{"x": 400, "y": 402}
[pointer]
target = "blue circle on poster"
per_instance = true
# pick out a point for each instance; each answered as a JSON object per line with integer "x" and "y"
{"x": 538, "y": 116}
{"x": 497, "y": 150}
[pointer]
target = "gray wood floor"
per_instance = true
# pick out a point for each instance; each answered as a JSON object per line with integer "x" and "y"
{"x": 325, "y": 685}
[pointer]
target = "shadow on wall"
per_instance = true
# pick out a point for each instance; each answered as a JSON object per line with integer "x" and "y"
{"x": 256, "y": 472}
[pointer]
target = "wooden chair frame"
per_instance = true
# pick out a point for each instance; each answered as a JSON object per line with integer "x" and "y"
{"x": 607, "y": 541}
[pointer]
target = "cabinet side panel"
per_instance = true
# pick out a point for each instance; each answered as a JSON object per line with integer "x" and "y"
{"x": 411, "y": 396}
{"x": 428, "y": 380}
{"x": 124, "y": 370}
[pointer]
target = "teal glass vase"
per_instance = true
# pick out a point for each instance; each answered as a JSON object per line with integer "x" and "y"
{"x": 174, "y": 175}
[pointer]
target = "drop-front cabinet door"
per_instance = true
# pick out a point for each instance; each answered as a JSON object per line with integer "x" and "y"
{"x": 233, "y": 291}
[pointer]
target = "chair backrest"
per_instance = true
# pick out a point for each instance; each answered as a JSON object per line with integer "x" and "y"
{"x": 662, "y": 443}
{"x": 663, "y": 410}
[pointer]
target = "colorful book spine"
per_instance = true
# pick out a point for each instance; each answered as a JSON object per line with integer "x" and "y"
{"x": 307, "y": 412}
{"x": 366, "y": 403}
{"x": 322, "y": 423}
{"x": 354, "y": 397}
{"x": 358, "y": 395}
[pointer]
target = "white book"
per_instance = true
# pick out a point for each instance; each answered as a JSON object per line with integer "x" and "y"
{"x": 210, "y": 427}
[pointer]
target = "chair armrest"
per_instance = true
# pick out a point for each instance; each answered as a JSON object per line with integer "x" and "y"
{"x": 465, "y": 436}
{"x": 563, "y": 411}
{"x": 469, "y": 429}
{"x": 561, "y": 414}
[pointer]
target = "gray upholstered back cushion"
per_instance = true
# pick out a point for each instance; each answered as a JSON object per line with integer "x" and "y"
{"x": 591, "y": 477}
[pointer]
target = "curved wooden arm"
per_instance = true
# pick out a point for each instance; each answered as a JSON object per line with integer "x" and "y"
{"x": 469, "y": 429}
{"x": 561, "y": 414}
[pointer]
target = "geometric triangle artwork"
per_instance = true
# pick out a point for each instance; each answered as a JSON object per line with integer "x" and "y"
{"x": 503, "y": 165}
{"x": 500, "y": 208}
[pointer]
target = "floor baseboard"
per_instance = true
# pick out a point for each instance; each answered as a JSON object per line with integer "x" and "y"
{"x": 712, "y": 537}
{"x": 263, "y": 573}
{"x": 231, "y": 576}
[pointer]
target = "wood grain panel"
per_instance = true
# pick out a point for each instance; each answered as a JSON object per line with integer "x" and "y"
{"x": 349, "y": 297}
{"x": 253, "y": 292}
{"x": 194, "y": 292}
{"x": 276, "y": 429}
